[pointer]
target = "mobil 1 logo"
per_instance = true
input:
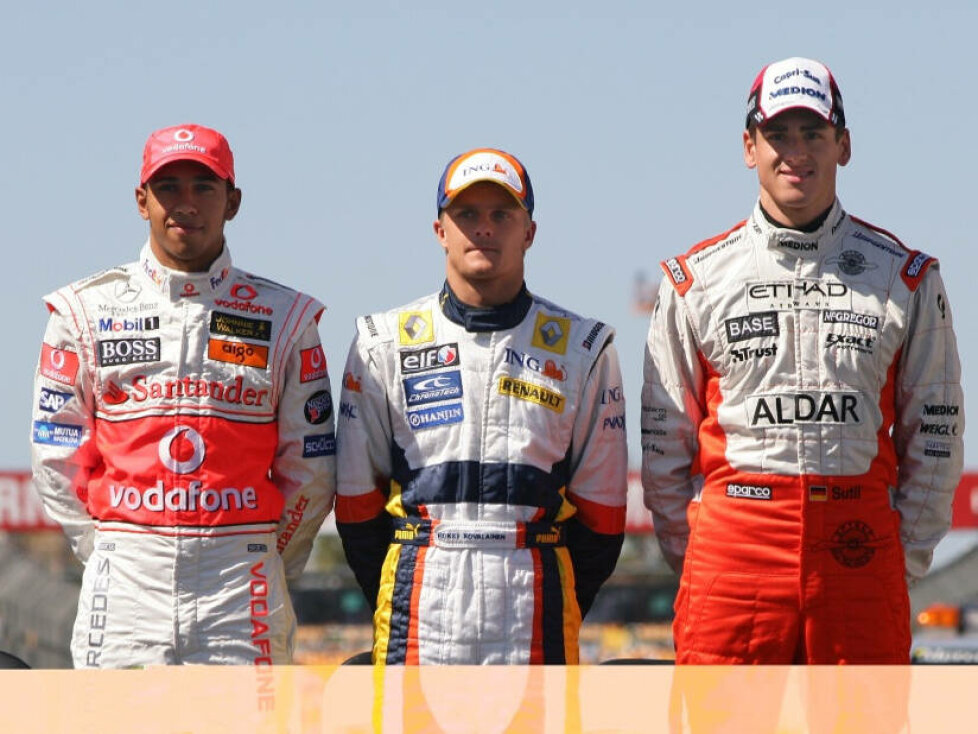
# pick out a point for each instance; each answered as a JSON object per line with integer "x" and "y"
{"x": 128, "y": 351}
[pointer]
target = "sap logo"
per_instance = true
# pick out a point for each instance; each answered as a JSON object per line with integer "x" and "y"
{"x": 52, "y": 401}
{"x": 614, "y": 423}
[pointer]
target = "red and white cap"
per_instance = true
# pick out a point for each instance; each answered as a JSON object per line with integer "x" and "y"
{"x": 795, "y": 83}
{"x": 187, "y": 143}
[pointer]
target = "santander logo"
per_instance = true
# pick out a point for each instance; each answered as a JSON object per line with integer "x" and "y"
{"x": 189, "y": 437}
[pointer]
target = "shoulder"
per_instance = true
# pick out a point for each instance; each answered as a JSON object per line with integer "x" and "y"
{"x": 880, "y": 243}
{"x": 560, "y": 330}
{"x": 680, "y": 269}
{"x": 115, "y": 281}
{"x": 383, "y": 326}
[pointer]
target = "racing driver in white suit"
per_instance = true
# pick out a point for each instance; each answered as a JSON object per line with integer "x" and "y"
{"x": 182, "y": 431}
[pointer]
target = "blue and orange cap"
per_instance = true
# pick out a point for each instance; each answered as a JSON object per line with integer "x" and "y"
{"x": 485, "y": 164}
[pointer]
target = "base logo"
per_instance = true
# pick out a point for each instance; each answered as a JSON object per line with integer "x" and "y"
{"x": 853, "y": 544}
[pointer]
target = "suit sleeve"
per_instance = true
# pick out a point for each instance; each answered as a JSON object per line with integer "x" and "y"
{"x": 63, "y": 454}
{"x": 673, "y": 406}
{"x": 304, "y": 469}
{"x": 364, "y": 469}
{"x": 929, "y": 424}
{"x": 598, "y": 482}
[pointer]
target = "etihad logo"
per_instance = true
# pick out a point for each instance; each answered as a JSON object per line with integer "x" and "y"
{"x": 547, "y": 368}
{"x": 415, "y": 327}
{"x": 537, "y": 394}
{"x": 785, "y": 409}
{"x": 551, "y": 333}
{"x": 790, "y": 295}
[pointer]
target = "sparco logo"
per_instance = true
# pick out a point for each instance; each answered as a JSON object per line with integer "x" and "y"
{"x": 676, "y": 269}
{"x": 750, "y": 353}
{"x": 748, "y": 491}
{"x": 190, "y": 438}
{"x": 748, "y": 327}
{"x": 431, "y": 358}
{"x": 913, "y": 270}
{"x": 128, "y": 351}
{"x": 851, "y": 317}
{"x": 815, "y": 407}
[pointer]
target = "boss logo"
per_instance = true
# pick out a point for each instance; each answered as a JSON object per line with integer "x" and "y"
{"x": 128, "y": 351}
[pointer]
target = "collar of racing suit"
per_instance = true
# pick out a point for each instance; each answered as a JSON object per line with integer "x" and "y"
{"x": 796, "y": 243}
{"x": 178, "y": 285}
{"x": 492, "y": 318}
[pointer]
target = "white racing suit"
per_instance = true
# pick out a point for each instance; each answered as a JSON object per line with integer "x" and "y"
{"x": 802, "y": 424}
{"x": 183, "y": 437}
{"x": 481, "y": 478}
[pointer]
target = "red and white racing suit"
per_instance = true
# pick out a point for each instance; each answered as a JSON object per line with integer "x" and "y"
{"x": 481, "y": 478}
{"x": 183, "y": 437}
{"x": 802, "y": 426}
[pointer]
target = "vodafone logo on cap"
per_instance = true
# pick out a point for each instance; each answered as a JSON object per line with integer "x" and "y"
{"x": 188, "y": 437}
{"x": 183, "y": 135}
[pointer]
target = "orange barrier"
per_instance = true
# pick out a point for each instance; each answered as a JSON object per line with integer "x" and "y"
{"x": 618, "y": 698}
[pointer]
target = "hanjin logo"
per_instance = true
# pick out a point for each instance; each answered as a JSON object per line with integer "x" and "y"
{"x": 174, "y": 448}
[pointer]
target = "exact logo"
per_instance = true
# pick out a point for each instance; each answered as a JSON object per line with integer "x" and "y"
{"x": 188, "y": 438}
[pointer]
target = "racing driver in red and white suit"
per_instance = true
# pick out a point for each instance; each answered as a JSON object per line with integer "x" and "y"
{"x": 802, "y": 411}
{"x": 182, "y": 432}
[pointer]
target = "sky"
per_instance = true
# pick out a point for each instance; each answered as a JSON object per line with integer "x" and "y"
{"x": 342, "y": 116}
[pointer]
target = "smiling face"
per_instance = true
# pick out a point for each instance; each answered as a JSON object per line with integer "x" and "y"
{"x": 485, "y": 234}
{"x": 797, "y": 155}
{"x": 186, "y": 206}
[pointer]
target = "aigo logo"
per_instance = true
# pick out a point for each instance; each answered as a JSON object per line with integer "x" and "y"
{"x": 188, "y": 436}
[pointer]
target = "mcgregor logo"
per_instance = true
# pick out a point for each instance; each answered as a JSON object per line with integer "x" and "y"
{"x": 184, "y": 466}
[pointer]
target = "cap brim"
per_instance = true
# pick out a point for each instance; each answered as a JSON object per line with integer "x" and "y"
{"x": 210, "y": 163}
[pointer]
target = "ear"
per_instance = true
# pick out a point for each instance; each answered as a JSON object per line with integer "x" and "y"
{"x": 750, "y": 150}
{"x": 234, "y": 204}
{"x": 531, "y": 232}
{"x": 845, "y": 147}
{"x": 440, "y": 233}
{"x": 141, "y": 195}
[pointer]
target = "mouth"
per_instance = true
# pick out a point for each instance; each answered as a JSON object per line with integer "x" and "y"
{"x": 796, "y": 175}
{"x": 184, "y": 227}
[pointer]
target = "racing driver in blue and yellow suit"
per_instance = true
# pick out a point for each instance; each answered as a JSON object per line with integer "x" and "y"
{"x": 481, "y": 447}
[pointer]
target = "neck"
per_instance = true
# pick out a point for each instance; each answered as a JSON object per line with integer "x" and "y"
{"x": 801, "y": 223}
{"x": 484, "y": 295}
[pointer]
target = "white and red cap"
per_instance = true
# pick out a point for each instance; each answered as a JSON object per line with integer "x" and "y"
{"x": 187, "y": 143}
{"x": 485, "y": 164}
{"x": 792, "y": 84}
